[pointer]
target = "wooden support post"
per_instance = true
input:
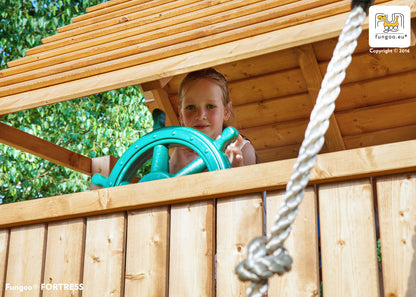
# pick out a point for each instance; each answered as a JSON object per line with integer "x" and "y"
{"x": 102, "y": 165}
{"x": 313, "y": 77}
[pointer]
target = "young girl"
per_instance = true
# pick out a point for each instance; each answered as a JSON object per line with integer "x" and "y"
{"x": 204, "y": 105}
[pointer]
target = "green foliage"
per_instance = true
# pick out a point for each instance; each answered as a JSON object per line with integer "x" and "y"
{"x": 103, "y": 124}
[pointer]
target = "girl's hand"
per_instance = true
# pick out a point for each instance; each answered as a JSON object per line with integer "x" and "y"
{"x": 234, "y": 153}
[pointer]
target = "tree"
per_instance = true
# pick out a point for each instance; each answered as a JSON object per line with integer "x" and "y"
{"x": 103, "y": 124}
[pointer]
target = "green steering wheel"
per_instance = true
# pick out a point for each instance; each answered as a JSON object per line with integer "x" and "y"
{"x": 156, "y": 145}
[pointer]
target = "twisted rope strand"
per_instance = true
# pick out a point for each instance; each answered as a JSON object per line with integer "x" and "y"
{"x": 266, "y": 255}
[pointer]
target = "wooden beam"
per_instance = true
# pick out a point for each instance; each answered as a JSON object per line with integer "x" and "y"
{"x": 330, "y": 167}
{"x": 162, "y": 100}
{"x": 229, "y": 52}
{"x": 156, "y": 84}
{"x": 44, "y": 149}
{"x": 313, "y": 77}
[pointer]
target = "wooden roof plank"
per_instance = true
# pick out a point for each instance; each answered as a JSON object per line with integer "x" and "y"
{"x": 105, "y": 4}
{"x": 163, "y": 48}
{"x": 122, "y": 23}
{"x": 313, "y": 77}
{"x": 110, "y": 6}
{"x": 111, "y": 39}
{"x": 94, "y": 17}
{"x": 233, "y": 51}
{"x": 133, "y": 20}
{"x": 44, "y": 149}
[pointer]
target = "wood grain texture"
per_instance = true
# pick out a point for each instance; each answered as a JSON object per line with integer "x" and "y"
{"x": 348, "y": 241}
{"x": 228, "y": 52}
{"x": 64, "y": 257}
{"x": 239, "y": 220}
{"x": 330, "y": 167}
{"x": 192, "y": 247}
{"x": 396, "y": 196}
{"x": 26, "y": 260}
{"x": 302, "y": 245}
{"x": 104, "y": 255}
{"x": 4, "y": 249}
{"x": 147, "y": 258}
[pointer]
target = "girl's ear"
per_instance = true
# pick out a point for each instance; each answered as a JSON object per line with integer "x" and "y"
{"x": 227, "y": 111}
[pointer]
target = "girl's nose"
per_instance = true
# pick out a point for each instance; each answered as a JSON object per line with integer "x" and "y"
{"x": 201, "y": 113}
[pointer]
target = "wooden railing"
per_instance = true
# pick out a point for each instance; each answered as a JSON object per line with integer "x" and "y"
{"x": 171, "y": 238}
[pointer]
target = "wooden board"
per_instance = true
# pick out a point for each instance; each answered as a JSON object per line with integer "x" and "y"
{"x": 117, "y": 6}
{"x": 4, "y": 248}
{"x": 381, "y": 137}
{"x": 369, "y": 65}
{"x": 92, "y": 17}
{"x": 64, "y": 258}
{"x": 139, "y": 31}
{"x": 348, "y": 243}
{"x": 330, "y": 167}
{"x": 374, "y": 91}
{"x": 274, "y": 110}
{"x": 104, "y": 255}
{"x": 25, "y": 261}
{"x": 239, "y": 220}
{"x": 147, "y": 255}
{"x": 246, "y": 26}
{"x": 368, "y": 119}
{"x": 192, "y": 242}
{"x": 230, "y": 52}
{"x": 396, "y": 196}
{"x": 279, "y": 84}
{"x": 105, "y": 4}
{"x": 278, "y": 134}
{"x": 302, "y": 245}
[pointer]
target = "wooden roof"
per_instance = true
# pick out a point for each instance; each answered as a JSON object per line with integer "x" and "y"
{"x": 273, "y": 53}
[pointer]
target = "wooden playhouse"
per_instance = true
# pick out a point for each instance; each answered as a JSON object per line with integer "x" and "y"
{"x": 169, "y": 237}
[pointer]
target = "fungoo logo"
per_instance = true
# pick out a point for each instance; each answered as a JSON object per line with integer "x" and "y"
{"x": 389, "y": 26}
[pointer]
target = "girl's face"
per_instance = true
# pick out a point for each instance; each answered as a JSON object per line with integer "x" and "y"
{"x": 203, "y": 108}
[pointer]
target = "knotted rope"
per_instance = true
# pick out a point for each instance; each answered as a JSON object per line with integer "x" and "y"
{"x": 266, "y": 255}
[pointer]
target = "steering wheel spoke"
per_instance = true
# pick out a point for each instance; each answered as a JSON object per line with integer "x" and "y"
{"x": 156, "y": 145}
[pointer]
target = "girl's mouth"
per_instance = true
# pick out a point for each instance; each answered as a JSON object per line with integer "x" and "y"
{"x": 200, "y": 127}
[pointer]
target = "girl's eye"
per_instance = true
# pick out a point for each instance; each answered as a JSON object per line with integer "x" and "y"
{"x": 190, "y": 107}
{"x": 210, "y": 106}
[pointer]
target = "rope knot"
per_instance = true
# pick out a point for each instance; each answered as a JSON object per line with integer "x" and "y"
{"x": 259, "y": 265}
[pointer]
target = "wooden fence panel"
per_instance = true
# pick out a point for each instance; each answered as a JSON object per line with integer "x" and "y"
{"x": 192, "y": 241}
{"x": 25, "y": 263}
{"x": 64, "y": 258}
{"x": 397, "y": 211}
{"x": 104, "y": 255}
{"x": 4, "y": 247}
{"x": 302, "y": 244}
{"x": 147, "y": 252}
{"x": 239, "y": 220}
{"x": 348, "y": 243}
